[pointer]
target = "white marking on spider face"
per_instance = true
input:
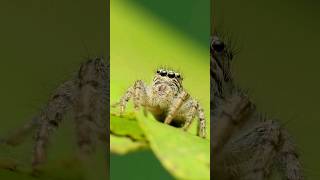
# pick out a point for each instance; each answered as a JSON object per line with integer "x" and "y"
{"x": 166, "y": 99}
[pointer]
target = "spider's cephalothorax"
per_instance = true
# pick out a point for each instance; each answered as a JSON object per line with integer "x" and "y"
{"x": 86, "y": 97}
{"x": 245, "y": 145}
{"x": 165, "y": 87}
{"x": 167, "y": 100}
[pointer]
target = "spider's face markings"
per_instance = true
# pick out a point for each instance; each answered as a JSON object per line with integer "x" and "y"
{"x": 169, "y": 73}
{"x": 167, "y": 82}
{"x": 92, "y": 72}
{"x": 166, "y": 100}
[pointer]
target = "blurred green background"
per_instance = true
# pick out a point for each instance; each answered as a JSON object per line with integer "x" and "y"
{"x": 279, "y": 63}
{"x": 146, "y": 35}
{"x": 42, "y": 44}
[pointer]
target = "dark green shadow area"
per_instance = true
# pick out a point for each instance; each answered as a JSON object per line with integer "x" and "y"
{"x": 189, "y": 16}
{"x": 137, "y": 166}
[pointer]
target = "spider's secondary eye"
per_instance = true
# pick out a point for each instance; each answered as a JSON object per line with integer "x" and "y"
{"x": 163, "y": 73}
{"x": 177, "y": 75}
{"x": 171, "y": 75}
{"x": 158, "y": 71}
{"x": 218, "y": 46}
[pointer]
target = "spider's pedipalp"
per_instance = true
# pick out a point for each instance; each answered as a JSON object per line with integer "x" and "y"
{"x": 177, "y": 103}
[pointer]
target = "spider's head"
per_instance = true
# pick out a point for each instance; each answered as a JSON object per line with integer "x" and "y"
{"x": 93, "y": 72}
{"x": 166, "y": 82}
{"x": 221, "y": 57}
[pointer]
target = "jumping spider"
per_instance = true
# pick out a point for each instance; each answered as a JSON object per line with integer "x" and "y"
{"x": 246, "y": 145}
{"x": 167, "y": 100}
{"x": 86, "y": 96}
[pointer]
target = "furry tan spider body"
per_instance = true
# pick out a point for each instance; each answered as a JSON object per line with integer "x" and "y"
{"x": 245, "y": 144}
{"x": 86, "y": 96}
{"x": 167, "y": 100}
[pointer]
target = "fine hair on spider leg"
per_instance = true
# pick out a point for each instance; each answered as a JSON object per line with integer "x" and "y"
{"x": 246, "y": 145}
{"x": 89, "y": 105}
{"x": 166, "y": 99}
{"x": 86, "y": 96}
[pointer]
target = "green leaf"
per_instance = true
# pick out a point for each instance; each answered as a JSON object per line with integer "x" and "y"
{"x": 125, "y": 134}
{"x": 184, "y": 155}
{"x": 124, "y": 145}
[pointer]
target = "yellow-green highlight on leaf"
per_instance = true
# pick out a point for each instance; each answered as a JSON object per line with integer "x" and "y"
{"x": 184, "y": 155}
{"x": 126, "y": 126}
{"x": 142, "y": 42}
{"x": 124, "y": 145}
{"x": 126, "y": 135}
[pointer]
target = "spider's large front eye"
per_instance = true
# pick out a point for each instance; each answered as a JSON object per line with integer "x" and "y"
{"x": 163, "y": 73}
{"x": 218, "y": 45}
{"x": 171, "y": 74}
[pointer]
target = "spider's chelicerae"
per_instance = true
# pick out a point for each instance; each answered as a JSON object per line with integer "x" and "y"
{"x": 167, "y": 100}
{"x": 86, "y": 96}
{"x": 245, "y": 144}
